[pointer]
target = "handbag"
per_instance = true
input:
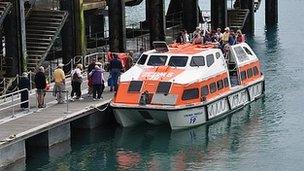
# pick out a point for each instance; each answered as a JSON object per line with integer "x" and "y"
{"x": 76, "y": 78}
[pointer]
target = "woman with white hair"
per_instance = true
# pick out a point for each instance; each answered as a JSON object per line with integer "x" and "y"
{"x": 40, "y": 82}
{"x": 97, "y": 80}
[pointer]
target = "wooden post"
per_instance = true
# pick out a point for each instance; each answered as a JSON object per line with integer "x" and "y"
{"x": 271, "y": 10}
{"x": 190, "y": 14}
{"x": 22, "y": 35}
{"x": 80, "y": 27}
{"x": 68, "y": 33}
{"x": 249, "y": 23}
{"x": 117, "y": 25}
{"x": 175, "y": 8}
{"x": 218, "y": 14}
{"x": 156, "y": 20}
{"x": 15, "y": 39}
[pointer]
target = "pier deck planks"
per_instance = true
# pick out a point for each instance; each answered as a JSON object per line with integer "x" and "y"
{"x": 40, "y": 121}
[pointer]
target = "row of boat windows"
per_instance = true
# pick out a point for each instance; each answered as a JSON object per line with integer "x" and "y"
{"x": 178, "y": 61}
{"x": 193, "y": 93}
{"x": 249, "y": 73}
{"x": 163, "y": 87}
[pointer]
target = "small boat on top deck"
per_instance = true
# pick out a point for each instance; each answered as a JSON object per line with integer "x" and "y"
{"x": 187, "y": 85}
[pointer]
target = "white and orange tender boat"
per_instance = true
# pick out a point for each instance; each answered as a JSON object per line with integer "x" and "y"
{"x": 187, "y": 85}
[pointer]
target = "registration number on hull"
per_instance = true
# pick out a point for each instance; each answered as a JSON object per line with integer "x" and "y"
{"x": 192, "y": 118}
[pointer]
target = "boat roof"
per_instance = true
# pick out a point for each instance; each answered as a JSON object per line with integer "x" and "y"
{"x": 185, "y": 49}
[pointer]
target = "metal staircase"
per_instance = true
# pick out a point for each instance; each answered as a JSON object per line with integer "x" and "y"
{"x": 42, "y": 29}
{"x": 5, "y": 7}
{"x": 237, "y": 18}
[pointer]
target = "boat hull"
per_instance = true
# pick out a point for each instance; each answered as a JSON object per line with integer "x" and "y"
{"x": 190, "y": 116}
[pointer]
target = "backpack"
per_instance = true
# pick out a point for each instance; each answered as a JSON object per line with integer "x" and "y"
{"x": 76, "y": 78}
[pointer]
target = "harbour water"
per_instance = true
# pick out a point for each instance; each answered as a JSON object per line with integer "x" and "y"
{"x": 267, "y": 135}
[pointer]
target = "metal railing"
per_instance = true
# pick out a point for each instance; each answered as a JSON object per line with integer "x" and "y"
{"x": 11, "y": 101}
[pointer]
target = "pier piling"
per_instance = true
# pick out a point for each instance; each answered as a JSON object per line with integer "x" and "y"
{"x": 12, "y": 153}
{"x": 249, "y": 23}
{"x": 190, "y": 15}
{"x": 156, "y": 21}
{"x": 51, "y": 137}
{"x": 80, "y": 27}
{"x": 271, "y": 12}
{"x": 15, "y": 45}
{"x": 218, "y": 14}
{"x": 68, "y": 33}
{"x": 117, "y": 25}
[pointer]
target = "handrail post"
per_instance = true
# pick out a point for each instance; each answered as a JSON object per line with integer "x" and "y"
{"x": 28, "y": 99}
{"x": 67, "y": 102}
{"x": 13, "y": 106}
{"x": 31, "y": 81}
{"x": 72, "y": 61}
{"x": 50, "y": 72}
{"x": 4, "y": 85}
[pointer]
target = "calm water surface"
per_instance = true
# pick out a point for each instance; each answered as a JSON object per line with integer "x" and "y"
{"x": 267, "y": 135}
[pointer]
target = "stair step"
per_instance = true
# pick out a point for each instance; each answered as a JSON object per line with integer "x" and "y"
{"x": 50, "y": 19}
{"x": 38, "y": 35}
{"x": 45, "y": 24}
{"x": 36, "y": 31}
{"x": 42, "y": 40}
{"x": 35, "y": 51}
{"x": 47, "y": 12}
{"x": 36, "y": 48}
{"x": 33, "y": 60}
{"x": 34, "y": 56}
{"x": 43, "y": 27}
{"x": 37, "y": 43}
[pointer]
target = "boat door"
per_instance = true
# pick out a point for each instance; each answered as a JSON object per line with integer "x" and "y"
{"x": 232, "y": 66}
{"x": 237, "y": 56}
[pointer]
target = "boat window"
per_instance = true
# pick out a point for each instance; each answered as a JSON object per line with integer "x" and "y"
{"x": 220, "y": 84}
{"x": 243, "y": 75}
{"x": 247, "y": 51}
{"x": 142, "y": 59}
{"x": 241, "y": 54}
{"x": 255, "y": 71}
{"x": 205, "y": 90}
{"x": 197, "y": 61}
{"x": 217, "y": 55}
{"x": 178, "y": 61}
{"x": 212, "y": 87}
{"x": 249, "y": 73}
{"x": 190, "y": 94}
{"x": 157, "y": 60}
{"x": 210, "y": 60}
{"x": 163, "y": 87}
{"x": 135, "y": 86}
{"x": 226, "y": 83}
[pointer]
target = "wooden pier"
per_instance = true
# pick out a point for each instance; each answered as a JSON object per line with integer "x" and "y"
{"x": 49, "y": 126}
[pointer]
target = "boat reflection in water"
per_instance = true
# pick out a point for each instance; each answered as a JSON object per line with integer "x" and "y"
{"x": 160, "y": 148}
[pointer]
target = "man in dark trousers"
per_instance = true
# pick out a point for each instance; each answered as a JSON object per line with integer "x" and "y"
{"x": 24, "y": 82}
{"x": 115, "y": 69}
